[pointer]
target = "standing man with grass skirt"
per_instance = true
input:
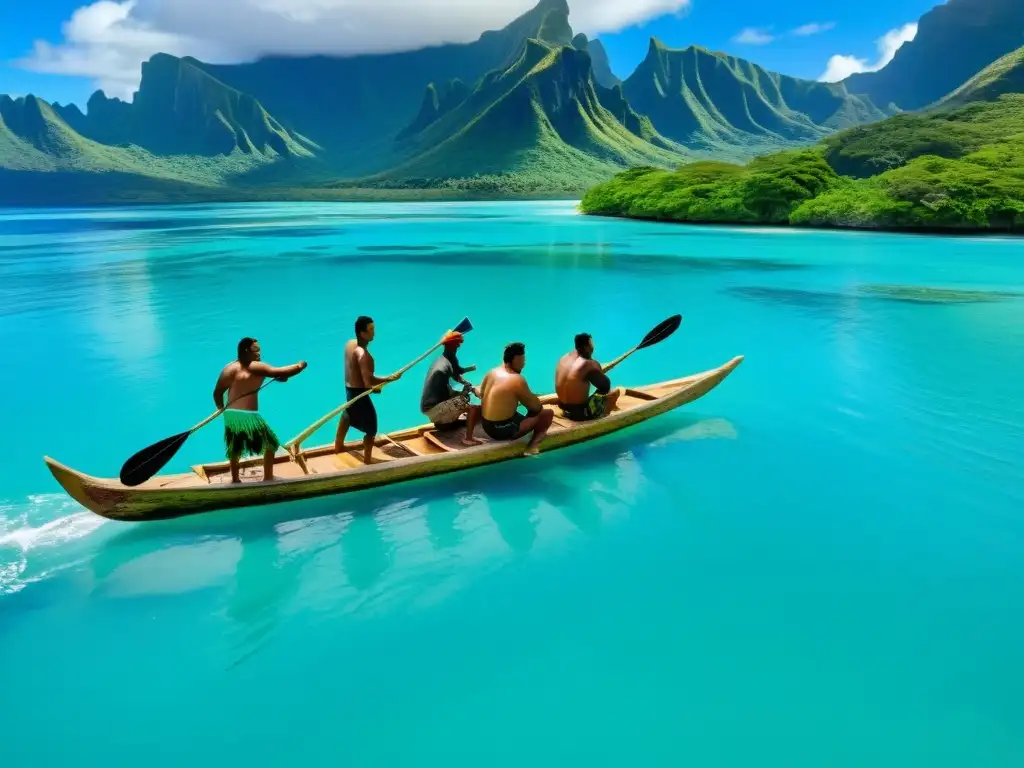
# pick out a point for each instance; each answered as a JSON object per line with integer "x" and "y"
{"x": 245, "y": 431}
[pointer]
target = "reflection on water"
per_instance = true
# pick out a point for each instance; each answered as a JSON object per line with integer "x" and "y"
{"x": 365, "y": 552}
{"x": 383, "y": 548}
{"x": 267, "y": 577}
{"x": 122, "y": 316}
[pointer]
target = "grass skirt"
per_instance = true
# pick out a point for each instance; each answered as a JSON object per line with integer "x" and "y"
{"x": 247, "y": 434}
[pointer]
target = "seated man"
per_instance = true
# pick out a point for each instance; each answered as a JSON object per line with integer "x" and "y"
{"x": 576, "y": 371}
{"x": 502, "y": 391}
{"x": 440, "y": 402}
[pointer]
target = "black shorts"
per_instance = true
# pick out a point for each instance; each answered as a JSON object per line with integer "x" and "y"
{"x": 506, "y": 429}
{"x": 361, "y": 414}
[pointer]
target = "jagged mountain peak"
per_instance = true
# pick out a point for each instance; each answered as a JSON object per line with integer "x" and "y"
{"x": 541, "y": 112}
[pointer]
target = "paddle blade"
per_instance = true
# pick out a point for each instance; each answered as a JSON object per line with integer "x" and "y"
{"x": 147, "y": 462}
{"x": 464, "y": 327}
{"x": 661, "y": 332}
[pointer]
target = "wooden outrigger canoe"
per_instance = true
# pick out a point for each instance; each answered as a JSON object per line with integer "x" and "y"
{"x": 413, "y": 453}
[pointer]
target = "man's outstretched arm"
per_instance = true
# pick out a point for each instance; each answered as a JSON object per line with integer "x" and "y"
{"x": 277, "y": 373}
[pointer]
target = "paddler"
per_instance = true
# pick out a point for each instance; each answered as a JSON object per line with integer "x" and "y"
{"x": 439, "y": 401}
{"x": 503, "y": 390}
{"x": 245, "y": 431}
{"x": 359, "y": 377}
{"x": 576, "y": 372}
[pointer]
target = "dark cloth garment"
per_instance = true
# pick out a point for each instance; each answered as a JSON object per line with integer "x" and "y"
{"x": 437, "y": 386}
{"x": 594, "y": 408}
{"x": 361, "y": 414}
{"x": 506, "y": 429}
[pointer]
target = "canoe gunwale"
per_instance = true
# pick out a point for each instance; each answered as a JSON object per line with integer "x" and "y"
{"x": 109, "y": 498}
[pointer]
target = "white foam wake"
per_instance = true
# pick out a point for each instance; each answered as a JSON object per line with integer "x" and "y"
{"x": 47, "y": 522}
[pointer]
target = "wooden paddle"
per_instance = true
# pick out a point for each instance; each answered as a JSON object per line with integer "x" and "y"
{"x": 292, "y": 446}
{"x": 147, "y": 462}
{"x": 657, "y": 335}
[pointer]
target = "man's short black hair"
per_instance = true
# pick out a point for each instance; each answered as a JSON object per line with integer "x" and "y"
{"x": 362, "y": 323}
{"x": 244, "y": 346}
{"x": 514, "y": 350}
{"x": 581, "y": 341}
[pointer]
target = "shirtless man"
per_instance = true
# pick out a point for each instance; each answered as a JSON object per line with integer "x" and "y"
{"x": 245, "y": 431}
{"x": 503, "y": 390}
{"x": 576, "y": 371}
{"x": 359, "y": 377}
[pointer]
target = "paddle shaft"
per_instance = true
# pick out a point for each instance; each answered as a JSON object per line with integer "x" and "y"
{"x": 618, "y": 360}
{"x": 296, "y": 441}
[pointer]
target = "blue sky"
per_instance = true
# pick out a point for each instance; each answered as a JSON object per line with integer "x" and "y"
{"x": 105, "y": 46}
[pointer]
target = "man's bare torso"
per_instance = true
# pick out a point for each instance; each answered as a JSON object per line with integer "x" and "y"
{"x": 353, "y": 372}
{"x": 500, "y": 394}
{"x": 242, "y": 382}
{"x": 571, "y": 383}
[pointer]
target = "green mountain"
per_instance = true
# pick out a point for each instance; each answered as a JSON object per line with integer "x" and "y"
{"x": 530, "y": 109}
{"x": 184, "y": 137}
{"x": 602, "y": 68}
{"x": 44, "y": 160}
{"x": 1005, "y": 75}
{"x": 178, "y": 110}
{"x": 955, "y": 41}
{"x": 438, "y": 101}
{"x": 710, "y": 100}
{"x": 949, "y": 169}
{"x": 355, "y": 107}
{"x": 538, "y": 123}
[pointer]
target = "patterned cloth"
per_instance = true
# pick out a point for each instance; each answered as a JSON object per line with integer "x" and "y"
{"x": 450, "y": 410}
{"x": 594, "y": 408}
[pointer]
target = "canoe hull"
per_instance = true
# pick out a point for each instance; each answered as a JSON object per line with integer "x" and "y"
{"x": 110, "y": 499}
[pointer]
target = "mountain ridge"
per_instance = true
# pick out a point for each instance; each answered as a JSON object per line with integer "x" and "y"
{"x": 546, "y": 100}
{"x": 1003, "y": 76}
{"x": 955, "y": 40}
{"x": 526, "y": 107}
{"x": 752, "y": 105}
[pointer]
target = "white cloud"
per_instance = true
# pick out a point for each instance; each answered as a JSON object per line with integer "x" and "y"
{"x": 108, "y": 40}
{"x": 814, "y": 29}
{"x": 752, "y": 36}
{"x": 840, "y": 67}
{"x": 106, "y": 43}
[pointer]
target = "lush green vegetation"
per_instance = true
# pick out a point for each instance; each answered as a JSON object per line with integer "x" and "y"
{"x": 956, "y": 170}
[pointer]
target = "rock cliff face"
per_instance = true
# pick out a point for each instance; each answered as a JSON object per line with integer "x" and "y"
{"x": 954, "y": 42}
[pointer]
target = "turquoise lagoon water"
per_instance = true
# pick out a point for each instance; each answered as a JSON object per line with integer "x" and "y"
{"x": 819, "y": 564}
